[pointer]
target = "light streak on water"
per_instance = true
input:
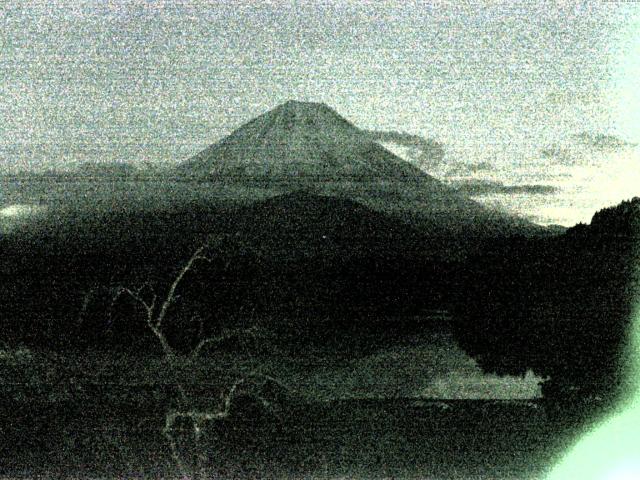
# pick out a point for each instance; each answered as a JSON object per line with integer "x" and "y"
{"x": 19, "y": 210}
{"x": 18, "y": 214}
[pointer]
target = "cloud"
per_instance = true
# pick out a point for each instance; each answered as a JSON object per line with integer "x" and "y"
{"x": 479, "y": 167}
{"x": 20, "y": 210}
{"x": 569, "y": 97}
{"x": 558, "y": 153}
{"x": 602, "y": 142}
{"x": 432, "y": 366}
{"x": 456, "y": 167}
{"x": 487, "y": 187}
{"x": 425, "y": 152}
{"x": 584, "y": 147}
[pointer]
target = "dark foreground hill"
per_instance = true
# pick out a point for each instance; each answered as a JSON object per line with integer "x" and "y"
{"x": 302, "y": 225}
{"x": 292, "y": 256}
{"x": 561, "y": 306}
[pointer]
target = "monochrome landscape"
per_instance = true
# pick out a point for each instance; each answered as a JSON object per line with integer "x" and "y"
{"x": 310, "y": 294}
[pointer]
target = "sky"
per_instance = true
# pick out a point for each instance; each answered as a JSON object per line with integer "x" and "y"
{"x": 496, "y": 83}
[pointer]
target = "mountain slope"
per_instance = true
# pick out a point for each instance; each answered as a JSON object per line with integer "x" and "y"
{"x": 300, "y": 221}
{"x": 308, "y": 145}
{"x": 299, "y": 141}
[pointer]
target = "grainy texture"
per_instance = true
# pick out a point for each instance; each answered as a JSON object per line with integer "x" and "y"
{"x": 318, "y": 239}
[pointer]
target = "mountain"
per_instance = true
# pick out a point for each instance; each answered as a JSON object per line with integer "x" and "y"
{"x": 295, "y": 224}
{"x": 300, "y": 141}
{"x": 337, "y": 217}
{"x": 309, "y": 145}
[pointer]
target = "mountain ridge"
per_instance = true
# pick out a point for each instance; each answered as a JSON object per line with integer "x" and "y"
{"x": 298, "y": 141}
{"x": 309, "y": 145}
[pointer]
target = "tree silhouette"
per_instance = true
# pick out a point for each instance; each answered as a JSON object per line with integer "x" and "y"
{"x": 157, "y": 315}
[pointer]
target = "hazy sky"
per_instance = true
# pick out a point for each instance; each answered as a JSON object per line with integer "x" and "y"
{"x": 495, "y": 82}
{"x": 159, "y": 80}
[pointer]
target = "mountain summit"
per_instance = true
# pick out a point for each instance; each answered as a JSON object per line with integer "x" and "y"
{"x": 309, "y": 146}
{"x": 299, "y": 140}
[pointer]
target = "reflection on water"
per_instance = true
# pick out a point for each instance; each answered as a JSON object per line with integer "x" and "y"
{"x": 18, "y": 214}
{"x": 20, "y": 210}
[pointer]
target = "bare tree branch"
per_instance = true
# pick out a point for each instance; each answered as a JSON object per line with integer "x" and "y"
{"x": 176, "y": 362}
{"x": 171, "y": 296}
{"x": 170, "y": 420}
{"x": 135, "y": 295}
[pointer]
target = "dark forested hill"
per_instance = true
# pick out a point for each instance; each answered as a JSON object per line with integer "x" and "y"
{"x": 561, "y": 306}
{"x": 291, "y": 256}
